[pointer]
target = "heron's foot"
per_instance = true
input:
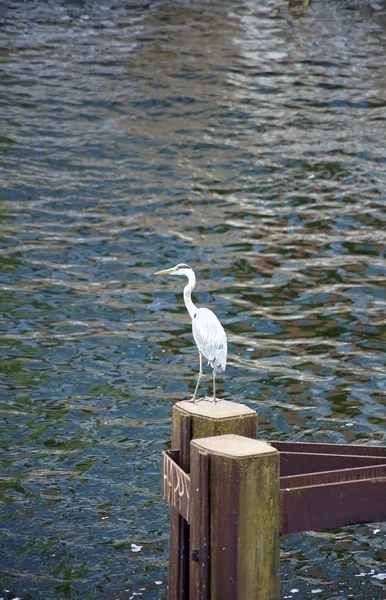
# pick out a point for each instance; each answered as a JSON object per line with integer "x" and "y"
{"x": 210, "y": 399}
{"x": 206, "y": 399}
{"x": 195, "y": 400}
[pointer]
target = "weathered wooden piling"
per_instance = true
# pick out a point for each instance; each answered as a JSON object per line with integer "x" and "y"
{"x": 238, "y": 490}
{"x": 198, "y": 420}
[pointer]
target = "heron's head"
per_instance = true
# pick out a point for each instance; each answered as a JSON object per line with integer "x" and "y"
{"x": 180, "y": 269}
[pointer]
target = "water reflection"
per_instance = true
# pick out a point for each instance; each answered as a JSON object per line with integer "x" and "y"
{"x": 245, "y": 140}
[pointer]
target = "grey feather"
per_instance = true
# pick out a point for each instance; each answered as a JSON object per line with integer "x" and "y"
{"x": 210, "y": 338}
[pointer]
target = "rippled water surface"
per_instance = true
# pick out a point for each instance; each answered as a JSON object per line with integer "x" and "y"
{"x": 247, "y": 139}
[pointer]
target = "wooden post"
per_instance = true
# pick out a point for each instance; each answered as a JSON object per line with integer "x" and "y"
{"x": 178, "y": 588}
{"x": 190, "y": 420}
{"x": 209, "y": 419}
{"x": 235, "y": 549}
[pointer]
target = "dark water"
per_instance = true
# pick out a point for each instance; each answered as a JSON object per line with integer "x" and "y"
{"x": 247, "y": 139}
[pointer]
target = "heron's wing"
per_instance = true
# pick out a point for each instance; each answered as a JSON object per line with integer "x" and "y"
{"x": 210, "y": 338}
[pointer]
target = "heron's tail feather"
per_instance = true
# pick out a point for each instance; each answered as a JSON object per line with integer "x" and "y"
{"x": 218, "y": 364}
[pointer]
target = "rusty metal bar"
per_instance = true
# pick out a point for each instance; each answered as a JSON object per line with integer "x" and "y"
{"x": 298, "y": 463}
{"x": 333, "y": 505}
{"x": 341, "y": 449}
{"x": 323, "y": 486}
{"x": 337, "y": 476}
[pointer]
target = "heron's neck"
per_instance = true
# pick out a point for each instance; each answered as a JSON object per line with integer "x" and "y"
{"x": 188, "y": 289}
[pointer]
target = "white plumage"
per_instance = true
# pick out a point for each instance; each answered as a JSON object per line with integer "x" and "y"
{"x": 208, "y": 332}
{"x": 210, "y": 338}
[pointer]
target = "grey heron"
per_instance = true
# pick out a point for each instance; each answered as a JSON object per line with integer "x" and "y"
{"x": 208, "y": 332}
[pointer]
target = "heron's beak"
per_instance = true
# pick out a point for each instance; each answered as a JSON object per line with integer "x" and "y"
{"x": 164, "y": 272}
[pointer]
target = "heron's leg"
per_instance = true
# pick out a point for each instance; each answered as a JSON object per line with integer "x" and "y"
{"x": 193, "y": 399}
{"x": 214, "y": 385}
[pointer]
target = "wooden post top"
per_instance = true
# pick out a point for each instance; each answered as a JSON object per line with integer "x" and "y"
{"x": 234, "y": 446}
{"x": 223, "y": 409}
